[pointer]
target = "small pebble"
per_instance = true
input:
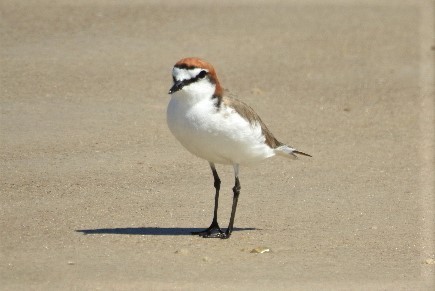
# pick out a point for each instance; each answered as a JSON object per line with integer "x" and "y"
{"x": 71, "y": 263}
{"x": 430, "y": 261}
{"x": 206, "y": 259}
{"x": 182, "y": 251}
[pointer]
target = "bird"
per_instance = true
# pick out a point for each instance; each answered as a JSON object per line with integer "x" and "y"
{"x": 218, "y": 128}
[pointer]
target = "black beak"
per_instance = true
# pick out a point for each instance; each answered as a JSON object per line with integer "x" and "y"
{"x": 178, "y": 85}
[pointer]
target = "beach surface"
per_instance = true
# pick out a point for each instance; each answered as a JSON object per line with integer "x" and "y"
{"x": 95, "y": 192}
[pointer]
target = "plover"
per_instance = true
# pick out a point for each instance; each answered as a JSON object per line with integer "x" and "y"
{"x": 218, "y": 128}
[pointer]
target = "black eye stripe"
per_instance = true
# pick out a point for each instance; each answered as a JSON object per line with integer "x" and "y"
{"x": 201, "y": 75}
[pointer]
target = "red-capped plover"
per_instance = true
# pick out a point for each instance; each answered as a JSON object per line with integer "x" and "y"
{"x": 217, "y": 128}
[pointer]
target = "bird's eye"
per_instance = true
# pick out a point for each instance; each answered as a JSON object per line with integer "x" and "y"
{"x": 202, "y": 74}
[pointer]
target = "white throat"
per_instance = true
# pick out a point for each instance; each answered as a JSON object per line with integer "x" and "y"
{"x": 197, "y": 91}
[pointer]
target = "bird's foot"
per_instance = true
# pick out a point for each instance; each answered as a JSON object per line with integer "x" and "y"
{"x": 213, "y": 231}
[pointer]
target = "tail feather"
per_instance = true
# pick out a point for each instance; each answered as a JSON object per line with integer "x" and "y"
{"x": 289, "y": 152}
{"x": 302, "y": 153}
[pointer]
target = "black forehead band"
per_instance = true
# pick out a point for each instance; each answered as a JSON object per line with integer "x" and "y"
{"x": 184, "y": 66}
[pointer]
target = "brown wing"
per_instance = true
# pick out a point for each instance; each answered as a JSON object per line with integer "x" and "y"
{"x": 252, "y": 117}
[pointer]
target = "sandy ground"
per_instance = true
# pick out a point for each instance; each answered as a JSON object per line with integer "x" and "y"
{"x": 95, "y": 193}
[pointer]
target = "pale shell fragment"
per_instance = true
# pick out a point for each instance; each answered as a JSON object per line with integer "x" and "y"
{"x": 260, "y": 250}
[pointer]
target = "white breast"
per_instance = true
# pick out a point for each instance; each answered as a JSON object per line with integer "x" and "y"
{"x": 219, "y": 136}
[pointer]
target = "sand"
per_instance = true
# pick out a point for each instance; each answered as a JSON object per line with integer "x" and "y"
{"x": 95, "y": 192}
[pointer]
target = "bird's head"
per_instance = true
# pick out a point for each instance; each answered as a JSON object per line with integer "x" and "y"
{"x": 194, "y": 76}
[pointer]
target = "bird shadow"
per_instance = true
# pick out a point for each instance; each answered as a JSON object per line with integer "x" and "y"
{"x": 149, "y": 230}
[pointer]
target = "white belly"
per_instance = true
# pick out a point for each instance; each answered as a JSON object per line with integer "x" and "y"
{"x": 218, "y": 136}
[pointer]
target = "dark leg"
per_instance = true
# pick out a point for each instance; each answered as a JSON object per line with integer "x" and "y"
{"x": 213, "y": 230}
{"x": 236, "y": 191}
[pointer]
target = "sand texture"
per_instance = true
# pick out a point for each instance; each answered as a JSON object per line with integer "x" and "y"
{"x": 96, "y": 194}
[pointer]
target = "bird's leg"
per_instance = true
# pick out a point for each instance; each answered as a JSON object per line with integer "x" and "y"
{"x": 236, "y": 191}
{"x": 213, "y": 230}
